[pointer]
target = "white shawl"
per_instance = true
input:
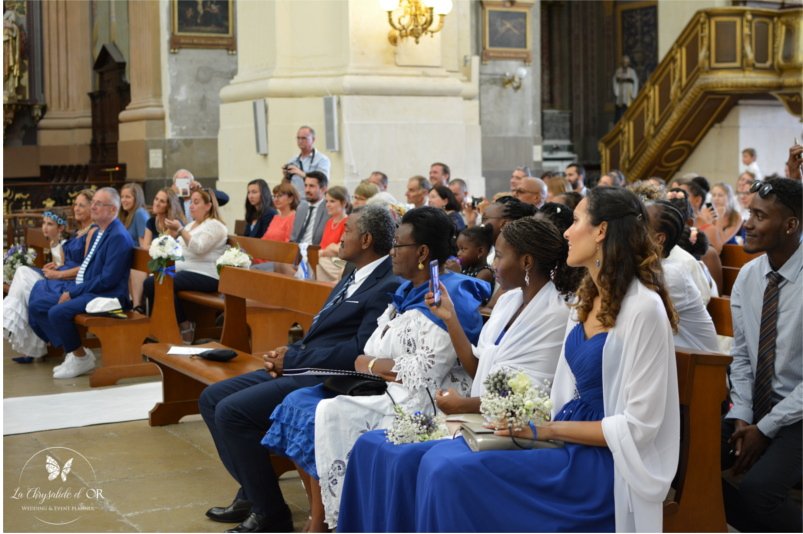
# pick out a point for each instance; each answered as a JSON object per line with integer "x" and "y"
{"x": 532, "y": 343}
{"x": 642, "y": 421}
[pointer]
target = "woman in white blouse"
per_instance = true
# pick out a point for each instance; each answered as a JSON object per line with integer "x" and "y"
{"x": 203, "y": 241}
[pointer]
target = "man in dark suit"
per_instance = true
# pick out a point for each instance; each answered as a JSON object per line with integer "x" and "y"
{"x": 104, "y": 273}
{"x": 237, "y": 410}
{"x": 311, "y": 216}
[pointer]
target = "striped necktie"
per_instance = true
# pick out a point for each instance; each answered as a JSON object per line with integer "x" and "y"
{"x": 765, "y": 363}
{"x": 79, "y": 278}
{"x": 340, "y": 297}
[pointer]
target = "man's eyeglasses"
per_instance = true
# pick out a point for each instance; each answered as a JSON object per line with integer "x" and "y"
{"x": 99, "y": 203}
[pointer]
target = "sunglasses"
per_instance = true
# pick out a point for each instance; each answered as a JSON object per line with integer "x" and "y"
{"x": 763, "y": 189}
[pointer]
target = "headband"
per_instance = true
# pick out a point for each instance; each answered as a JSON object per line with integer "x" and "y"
{"x": 55, "y": 218}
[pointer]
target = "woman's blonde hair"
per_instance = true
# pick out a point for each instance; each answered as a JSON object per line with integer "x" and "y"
{"x": 731, "y": 211}
{"x": 208, "y": 196}
{"x": 127, "y": 217}
{"x": 175, "y": 208}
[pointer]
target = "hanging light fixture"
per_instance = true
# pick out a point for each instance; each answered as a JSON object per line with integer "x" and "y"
{"x": 414, "y": 18}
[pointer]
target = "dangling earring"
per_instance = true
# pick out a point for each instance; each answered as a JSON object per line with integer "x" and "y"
{"x": 527, "y": 278}
{"x": 420, "y": 266}
{"x": 597, "y": 261}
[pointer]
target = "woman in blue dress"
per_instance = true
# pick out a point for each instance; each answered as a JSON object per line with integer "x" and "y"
{"x": 410, "y": 348}
{"x": 616, "y": 396}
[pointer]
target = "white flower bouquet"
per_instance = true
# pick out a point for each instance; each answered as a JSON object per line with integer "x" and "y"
{"x": 415, "y": 428}
{"x": 233, "y": 257}
{"x": 16, "y": 257}
{"x": 511, "y": 400}
{"x": 164, "y": 249}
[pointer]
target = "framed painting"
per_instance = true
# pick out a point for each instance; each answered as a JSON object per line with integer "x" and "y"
{"x": 506, "y": 31}
{"x": 203, "y": 24}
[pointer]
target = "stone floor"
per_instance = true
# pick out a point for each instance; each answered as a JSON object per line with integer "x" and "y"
{"x": 153, "y": 479}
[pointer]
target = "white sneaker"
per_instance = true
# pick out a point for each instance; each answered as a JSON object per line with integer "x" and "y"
{"x": 77, "y": 366}
{"x": 68, "y": 357}
{"x": 71, "y": 356}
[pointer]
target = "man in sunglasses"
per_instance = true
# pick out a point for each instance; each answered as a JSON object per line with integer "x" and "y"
{"x": 762, "y": 432}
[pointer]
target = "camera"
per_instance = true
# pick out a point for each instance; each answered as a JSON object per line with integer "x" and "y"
{"x": 286, "y": 171}
{"x": 475, "y": 201}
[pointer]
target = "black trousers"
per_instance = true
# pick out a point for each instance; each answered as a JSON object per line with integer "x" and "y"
{"x": 183, "y": 281}
{"x": 762, "y": 502}
{"x": 237, "y": 412}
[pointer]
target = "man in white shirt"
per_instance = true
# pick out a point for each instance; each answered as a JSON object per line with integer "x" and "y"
{"x": 531, "y": 191}
{"x": 762, "y": 432}
{"x": 417, "y": 190}
{"x": 311, "y": 216}
{"x": 310, "y": 159}
{"x": 379, "y": 179}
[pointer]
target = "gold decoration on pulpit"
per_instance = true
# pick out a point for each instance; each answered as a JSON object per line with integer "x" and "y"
{"x": 48, "y": 203}
{"x": 723, "y": 55}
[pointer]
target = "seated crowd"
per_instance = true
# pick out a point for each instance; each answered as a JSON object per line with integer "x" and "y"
{"x": 588, "y": 289}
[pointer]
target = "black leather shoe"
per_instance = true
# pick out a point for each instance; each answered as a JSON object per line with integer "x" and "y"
{"x": 260, "y": 523}
{"x": 236, "y": 512}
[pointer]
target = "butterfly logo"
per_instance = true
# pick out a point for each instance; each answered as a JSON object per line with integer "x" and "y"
{"x": 54, "y": 469}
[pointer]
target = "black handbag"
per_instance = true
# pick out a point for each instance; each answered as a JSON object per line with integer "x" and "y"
{"x": 356, "y": 386}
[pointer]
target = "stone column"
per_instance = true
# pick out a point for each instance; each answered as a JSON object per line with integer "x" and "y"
{"x": 65, "y": 131}
{"x": 142, "y": 124}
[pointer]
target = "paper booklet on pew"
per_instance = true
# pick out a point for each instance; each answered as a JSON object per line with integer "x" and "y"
{"x": 305, "y": 371}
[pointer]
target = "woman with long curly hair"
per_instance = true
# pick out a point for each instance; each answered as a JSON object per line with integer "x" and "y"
{"x": 615, "y": 396}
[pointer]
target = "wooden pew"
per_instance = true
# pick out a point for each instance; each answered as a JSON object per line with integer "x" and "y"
{"x": 729, "y": 275}
{"x": 719, "y": 308}
{"x": 696, "y": 503}
{"x": 735, "y": 256}
{"x": 35, "y": 239}
{"x": 285, "y": 300}
{"x": 209, "y": 305}
{"x": 120, "y": 339}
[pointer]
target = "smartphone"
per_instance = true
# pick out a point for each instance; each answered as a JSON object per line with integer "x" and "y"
{"x": 434, "y": 282}
{"x": 183, "y": 186}
{"x": 709, "y": 205}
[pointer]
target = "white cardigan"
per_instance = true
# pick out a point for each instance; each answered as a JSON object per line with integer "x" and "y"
{"x": 642, "y": 414}
{"x": 207, "y": 244}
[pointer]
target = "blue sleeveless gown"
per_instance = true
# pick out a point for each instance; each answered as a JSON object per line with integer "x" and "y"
{"x": 443, "y": 486}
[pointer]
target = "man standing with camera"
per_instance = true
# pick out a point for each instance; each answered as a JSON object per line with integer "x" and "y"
{"x": 308, "y": 160}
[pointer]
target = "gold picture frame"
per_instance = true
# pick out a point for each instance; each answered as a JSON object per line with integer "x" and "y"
{"x": 203, "y": 24}
{"x": 506, "y": 32}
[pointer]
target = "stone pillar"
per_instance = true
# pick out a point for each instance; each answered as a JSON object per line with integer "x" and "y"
{"x": 399, "y": 109}
{"x": 142, "y": 124}
{"x": 65, "y": 132}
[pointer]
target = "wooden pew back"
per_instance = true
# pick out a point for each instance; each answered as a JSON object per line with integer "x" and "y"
{"x": 729, "y": 275}
{"x": 277, "y": 251}
{"x": 719, "y": 308}
{"x": 735, "y": 256}
{"x": 285, "y": 300}
{"x": 35, "y": 239}
{"x": 697, "y": 503}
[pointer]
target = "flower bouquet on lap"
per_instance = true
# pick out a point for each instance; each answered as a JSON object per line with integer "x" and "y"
{"x": 163, "y": 251}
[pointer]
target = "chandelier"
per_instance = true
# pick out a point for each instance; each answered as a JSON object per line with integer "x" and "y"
{"x": 414, "y": 18}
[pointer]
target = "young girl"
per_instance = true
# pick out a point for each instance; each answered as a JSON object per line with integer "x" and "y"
{"x": 66, "y": 256}
{"x": 473, "y": 245}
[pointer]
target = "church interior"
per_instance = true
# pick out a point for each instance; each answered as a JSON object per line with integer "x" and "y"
{"x": 106, "y": 92}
